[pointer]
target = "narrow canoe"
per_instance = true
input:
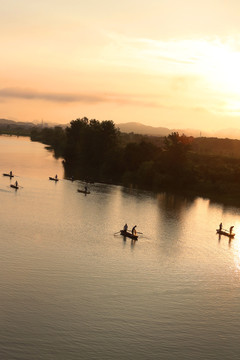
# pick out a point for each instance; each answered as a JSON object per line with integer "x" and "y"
{"x": 52, "y": 178}
{"x": 127, "y": 234}
{"x": 8, "y": 175}
{"x": 226, "y": 233}
{"x": 83, "y": 191}
{"x": 14, "y": 186}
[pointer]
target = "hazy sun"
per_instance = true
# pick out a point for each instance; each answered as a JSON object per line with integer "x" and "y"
{"x": 224, "y": 69}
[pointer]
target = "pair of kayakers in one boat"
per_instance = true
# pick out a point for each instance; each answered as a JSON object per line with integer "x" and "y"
{"x": 134, "y": 231}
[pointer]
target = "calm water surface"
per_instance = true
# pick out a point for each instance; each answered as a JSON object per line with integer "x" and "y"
{"x": 70, "y": 289}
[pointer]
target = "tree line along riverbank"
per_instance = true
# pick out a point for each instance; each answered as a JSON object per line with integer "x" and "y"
{"x": 97, "y": 151}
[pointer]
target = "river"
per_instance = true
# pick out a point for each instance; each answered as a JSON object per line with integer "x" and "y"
{"x": 70, "y": 289}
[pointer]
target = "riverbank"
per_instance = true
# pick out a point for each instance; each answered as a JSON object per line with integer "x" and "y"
{"x": 96, "y": 151}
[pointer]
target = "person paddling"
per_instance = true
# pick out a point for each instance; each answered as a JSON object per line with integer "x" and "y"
{"x": 134, "y": 231}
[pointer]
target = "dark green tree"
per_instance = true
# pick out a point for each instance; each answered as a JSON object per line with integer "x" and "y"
{"x": 91, "y": 145}
{"x": 175, "y": 159}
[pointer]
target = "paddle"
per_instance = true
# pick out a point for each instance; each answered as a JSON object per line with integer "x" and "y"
{"x": 117, "y": 232}
{"x": 227, "y": 230}
{"x": 139, "y": 232}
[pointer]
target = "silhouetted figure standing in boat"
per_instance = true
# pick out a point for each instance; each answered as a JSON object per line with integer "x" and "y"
{"x": 86, "y": 189}
{"x": 56, "y": 177}
{"x": 220, "y": 227}
{"x": 231, "y": 229}
{"x": 11, "y": 173}
{"x": 16, "y": 184}
{"x": 134, "y": 231}
{"x": 125, "y": 228}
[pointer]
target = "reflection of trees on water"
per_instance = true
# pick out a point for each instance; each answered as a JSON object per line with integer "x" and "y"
{"x": 174, "y": 205}
{"x": 173, "y": 209}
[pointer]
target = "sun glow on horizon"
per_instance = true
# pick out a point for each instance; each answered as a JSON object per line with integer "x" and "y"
{"x": 102, "y": 61}
{"x": 210, "y": 66}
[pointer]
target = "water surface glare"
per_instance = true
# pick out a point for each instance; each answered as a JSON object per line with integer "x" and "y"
{"x": 70, "y": 289}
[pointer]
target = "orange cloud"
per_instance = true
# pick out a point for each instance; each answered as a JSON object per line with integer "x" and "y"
{"x": 30, "y": 94}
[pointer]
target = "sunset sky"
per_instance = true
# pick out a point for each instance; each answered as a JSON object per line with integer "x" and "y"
{"x": 171, "y": 63}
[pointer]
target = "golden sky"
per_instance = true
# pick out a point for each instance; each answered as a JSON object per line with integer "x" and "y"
{"x": 171, "y": 63}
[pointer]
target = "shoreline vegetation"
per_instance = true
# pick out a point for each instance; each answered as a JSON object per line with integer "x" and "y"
{"x": 96, "y": 151}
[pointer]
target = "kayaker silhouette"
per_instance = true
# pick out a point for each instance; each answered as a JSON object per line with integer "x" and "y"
{"x": 134, "y": 231}
{"x": 230, "y": 230}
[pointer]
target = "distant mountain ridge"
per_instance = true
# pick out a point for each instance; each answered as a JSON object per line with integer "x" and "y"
{"x": 139, "y": 128}
{"x": 142, "y": 129}
{"x": 155, "y": 131}
{"x": 15, "y": 123}
{"x": 6, "y": 122}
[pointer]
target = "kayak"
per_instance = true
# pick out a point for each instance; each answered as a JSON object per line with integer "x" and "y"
{"x": 14, "y": 186}
{"x": 8, "y": 175}
{"x": 224, "y": 232}
{"x": 52, "y": 178}
{"x": 83, "y": 191}
{"x": 128, "y": 234}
